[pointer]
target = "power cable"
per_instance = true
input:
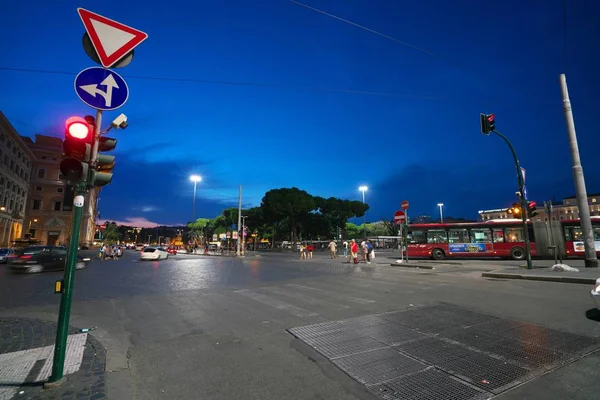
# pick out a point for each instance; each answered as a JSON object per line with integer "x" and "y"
{"x": 234, "y": 83}
{"x": 365, "y": 28}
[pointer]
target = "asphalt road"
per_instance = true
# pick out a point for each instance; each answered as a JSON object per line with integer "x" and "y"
{"x": 215, "y": 327}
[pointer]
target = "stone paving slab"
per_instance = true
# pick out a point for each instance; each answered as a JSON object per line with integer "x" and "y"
{"x": 26, "y": 354}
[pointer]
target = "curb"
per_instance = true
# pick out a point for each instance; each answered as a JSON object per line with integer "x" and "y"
{"x": 559, "y": 279}
{"x": 416, "y": 266}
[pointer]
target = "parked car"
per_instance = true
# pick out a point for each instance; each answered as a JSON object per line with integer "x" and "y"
{"x": 154, "y": 253}
{"x": 43, "y": 258}
{"x": 595, "y": 293}
{"x": 5, "y": 253}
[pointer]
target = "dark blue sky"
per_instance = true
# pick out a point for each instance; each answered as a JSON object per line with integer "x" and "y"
{"x": 417, "y": 139}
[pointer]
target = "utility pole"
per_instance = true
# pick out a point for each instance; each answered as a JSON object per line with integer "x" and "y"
{"x": 239, "y": 240}
{"x": 591, "y": 260}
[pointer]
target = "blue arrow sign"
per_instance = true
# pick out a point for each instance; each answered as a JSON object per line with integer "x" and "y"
{"x": 101, "y": 88}
{"x": 525, "y": 195}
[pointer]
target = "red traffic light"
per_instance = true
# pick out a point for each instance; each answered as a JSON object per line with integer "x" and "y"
{"x": 490, "y": 118}
{"x": 78, "y": 128}
{"x": 532, "y": 204}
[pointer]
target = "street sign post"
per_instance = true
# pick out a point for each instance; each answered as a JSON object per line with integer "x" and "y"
{"x": 112, "y": 40}
{"x": 399, "y": 217}
{"x": 101, "y": 88}
{"x": 404, "y": 205}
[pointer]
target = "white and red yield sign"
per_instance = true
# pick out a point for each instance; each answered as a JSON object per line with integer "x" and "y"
{"x": 404, "y": 205}
{"x": 112, "y": 40}
{"x": 399, "y": 217}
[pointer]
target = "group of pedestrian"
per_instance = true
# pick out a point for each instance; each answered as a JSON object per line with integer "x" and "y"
{"x": 109, "y": 252}
{"x": 367, "y": 251}
{"x": 306, "y": 251}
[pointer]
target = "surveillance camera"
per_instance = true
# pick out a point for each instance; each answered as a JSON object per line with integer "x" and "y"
{"x": 518, "y": 194}
{"x": 120, "y": 121}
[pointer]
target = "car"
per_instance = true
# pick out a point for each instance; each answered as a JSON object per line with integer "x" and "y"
{"x": 32, "y": 259}
{"x": 595, "y": 293}
{"x": 5, "y": 254}
{"x": 139, "y": 247}
{"x": 154, "y": 253}
{"x": 172, "y": 250}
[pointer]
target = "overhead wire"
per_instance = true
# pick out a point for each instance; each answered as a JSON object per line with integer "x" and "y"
{"x": 235, "y": 83}
{"x": 365, "y": 28}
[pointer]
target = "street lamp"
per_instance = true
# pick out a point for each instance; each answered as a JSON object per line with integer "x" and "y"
{"x": 2, "y": 208}
{"x": 30, "y": 221}
{"x": 440, "y": 205}
{"x": 363, "y": 189}
{"x": 195, "y": 179}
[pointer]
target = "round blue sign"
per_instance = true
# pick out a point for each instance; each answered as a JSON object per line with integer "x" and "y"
{"x": 101, "y": 88}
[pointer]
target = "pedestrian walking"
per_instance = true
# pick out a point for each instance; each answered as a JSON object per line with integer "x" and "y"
{"x": 332, "y": 251}
{"x": 345, "y": 249}
{"x": 354, "y": 251}
{"x": 309, "y": 250}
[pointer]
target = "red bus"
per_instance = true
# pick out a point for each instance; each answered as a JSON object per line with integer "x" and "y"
{"x": 497, "y": 238}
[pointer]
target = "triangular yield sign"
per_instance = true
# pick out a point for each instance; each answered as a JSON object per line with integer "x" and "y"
{"x": 111, "y": 39}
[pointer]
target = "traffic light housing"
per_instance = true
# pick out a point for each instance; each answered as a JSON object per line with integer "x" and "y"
{"x": 515, "y": 209}
{"x": 102, "y": 174}
{"x": 488, "y": 123}
{"x": 77, "y": 148}
{"x": 532, "y": 209}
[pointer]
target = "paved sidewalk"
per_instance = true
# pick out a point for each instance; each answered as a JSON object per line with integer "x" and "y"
{"x": 26, "y": 354}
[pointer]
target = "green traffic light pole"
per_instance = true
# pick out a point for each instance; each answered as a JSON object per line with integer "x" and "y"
{"x": 62, "y": 331}
{"x": 522, "y": 198}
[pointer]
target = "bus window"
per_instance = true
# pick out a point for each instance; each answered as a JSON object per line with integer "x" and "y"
{"x": 437, "y": 236}
{"x": 596, "y": 233}
{"x": 514, "y": 235}
{"x": 481, "y": 236}
{"x": 573, "y": 233}
{"x": 498, "y": 234}
{"x": 416, "y": 237}
{"x": 458, "y": 236}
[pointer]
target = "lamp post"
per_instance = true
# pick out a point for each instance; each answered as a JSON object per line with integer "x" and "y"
{"x": 440, "y": 205}
{"x": 363, "y": 189}
{"x": 243, "y": 239}
{"x": 195, "y": 179}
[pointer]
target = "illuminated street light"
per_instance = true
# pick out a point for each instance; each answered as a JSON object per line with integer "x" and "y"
{"x": 195, "y": 179}
{"x": 440, "y": 205}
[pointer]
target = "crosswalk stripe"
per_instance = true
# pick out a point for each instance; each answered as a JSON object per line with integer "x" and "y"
{"x": 301, "y": 297}
{"x": 281, "y": 305}
{"x": 334, "y": 295}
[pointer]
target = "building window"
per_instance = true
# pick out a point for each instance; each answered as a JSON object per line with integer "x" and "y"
{"x": 57, "y": 205}
{"x": 36, "y": 205}
{"x": 59, "y": 190}
{"x": 41, "y": 173}
{"x": 43, "y": 157}
{"x": 593, "y": 199}
{"x": 38, "y": 188}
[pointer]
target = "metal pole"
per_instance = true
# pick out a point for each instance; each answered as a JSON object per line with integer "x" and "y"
{"x": 364, "y": 216}
{"x": 239, "y": 223}
{"x": 194, "y": 204}
{"x": 64, "y": 313}
{"x": 591, "y": 260}
{"x": 521, "y": 184}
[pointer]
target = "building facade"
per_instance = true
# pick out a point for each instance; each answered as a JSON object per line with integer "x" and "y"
{"x": 567, "y": 210}
{"x": 48, "y": 212}
{"x": 16, "y": 161}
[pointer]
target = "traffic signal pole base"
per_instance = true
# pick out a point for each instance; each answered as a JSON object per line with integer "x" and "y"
{"x": 591, "y": 263}
{"x": 55, "y": 384}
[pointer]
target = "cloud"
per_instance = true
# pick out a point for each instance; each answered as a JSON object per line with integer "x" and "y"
{"x": 462, "y": 187}
{"x": 136, "y": 222}
{"x": 162, "y": 190}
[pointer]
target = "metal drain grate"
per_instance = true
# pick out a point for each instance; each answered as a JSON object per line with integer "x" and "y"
{"x": 378, "y": 366}
{"x": 430, "y": 384}
{"x": 466, "y": 354}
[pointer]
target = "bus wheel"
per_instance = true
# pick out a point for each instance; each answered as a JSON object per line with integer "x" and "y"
{"x": 517, "y": 253}
{"x": 437, "y": 254}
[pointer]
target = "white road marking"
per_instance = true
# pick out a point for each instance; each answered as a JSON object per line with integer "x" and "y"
{"x": 15, "y": 366}
{"x": 335, "y": 295}
{"x": 281, "y": 305}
